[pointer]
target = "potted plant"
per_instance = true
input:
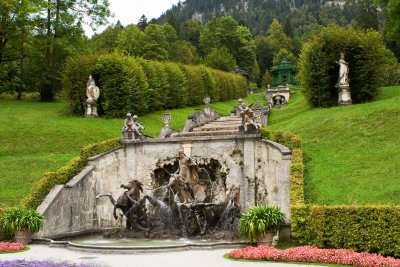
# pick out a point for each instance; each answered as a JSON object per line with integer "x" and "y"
{"x": 22, "y": 222}
{"x": 260, "y": 224}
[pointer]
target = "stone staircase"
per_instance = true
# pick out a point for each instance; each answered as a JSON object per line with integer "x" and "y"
{"x": 222, "y": 126}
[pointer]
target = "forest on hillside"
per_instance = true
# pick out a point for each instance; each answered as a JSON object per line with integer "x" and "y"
{"x": 297, "y": 16}
{"x": 37, "y": 38}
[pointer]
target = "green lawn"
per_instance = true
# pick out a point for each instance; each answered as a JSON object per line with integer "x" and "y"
{"x": 351, "y": 153}
{"x": 38, "y": 137}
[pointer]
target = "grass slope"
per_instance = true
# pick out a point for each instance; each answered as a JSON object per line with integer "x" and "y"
{"x": 352, "y": 152}
{"x": 38, "y": 137}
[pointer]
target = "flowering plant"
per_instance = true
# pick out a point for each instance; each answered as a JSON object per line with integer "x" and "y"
{"x": 9, "y": 247}
{"x": 36, "y": 263}
{"x": 314, "y": 254}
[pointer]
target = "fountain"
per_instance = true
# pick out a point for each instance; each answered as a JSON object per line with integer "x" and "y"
{"x": 184, "y": 189}
{"x": 186, "y": 202}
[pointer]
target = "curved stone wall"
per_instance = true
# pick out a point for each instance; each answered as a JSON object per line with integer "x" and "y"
{"x": 260, "y": 168}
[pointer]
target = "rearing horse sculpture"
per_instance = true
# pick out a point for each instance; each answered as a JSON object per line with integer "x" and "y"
{"x": 131, "y": 205}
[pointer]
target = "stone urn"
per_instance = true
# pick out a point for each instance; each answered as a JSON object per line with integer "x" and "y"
{"x": 266, "y": 240}
{"x": 23, "y": 237}
{"x": 260, "y": 223}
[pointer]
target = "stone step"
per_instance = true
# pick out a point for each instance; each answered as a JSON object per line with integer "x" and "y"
{"x": 232, "y": 118}
{"x": 215, "y": 128}
{"x": 225, "y": 122}
{"x": 207, "y": 133}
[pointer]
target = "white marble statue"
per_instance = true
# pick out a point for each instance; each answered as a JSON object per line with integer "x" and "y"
{"x": 343, "y": 71}
{"x": 92, "y": 91}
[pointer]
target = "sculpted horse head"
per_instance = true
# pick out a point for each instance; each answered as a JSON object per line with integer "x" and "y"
{"x": 134, "y": 188}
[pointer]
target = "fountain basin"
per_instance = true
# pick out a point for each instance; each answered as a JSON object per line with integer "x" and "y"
{"x": 99, "y": 243}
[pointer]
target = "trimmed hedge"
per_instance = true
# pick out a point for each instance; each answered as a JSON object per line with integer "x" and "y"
{"x": 369, "y": 228}
{"x": 373, "y": 229}
{"x": 50, "y": 179}
{"x": 140, "y": 86}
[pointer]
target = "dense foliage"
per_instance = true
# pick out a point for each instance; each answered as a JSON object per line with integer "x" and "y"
{"x": 38, "y": 36}
{"x": 140, "y": 86}
{"x": 365, "y": 53}
{"x": 297, "y": 15}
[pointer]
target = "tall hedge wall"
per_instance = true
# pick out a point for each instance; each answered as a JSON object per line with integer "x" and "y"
{"x": 361, "y": 228}
{"x": 370, "y": 228}
{"x": 140, "y": 86}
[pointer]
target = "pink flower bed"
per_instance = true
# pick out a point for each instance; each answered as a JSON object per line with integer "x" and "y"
{"x": 8, "y": 247}
{"x": 314, "y": 254}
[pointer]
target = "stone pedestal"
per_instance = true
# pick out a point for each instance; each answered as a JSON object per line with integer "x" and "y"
{"x": 91, "y": 109}
{"x": 344, "y": 95}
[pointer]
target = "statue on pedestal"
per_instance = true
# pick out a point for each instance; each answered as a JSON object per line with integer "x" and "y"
{"x": 343, "y": 71}
{"x": 92, "y": 93}
{"x": 343, "y": 82}
{"x": 132, "y": 129}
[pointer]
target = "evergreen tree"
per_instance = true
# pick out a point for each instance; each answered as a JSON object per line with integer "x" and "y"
{"x": 392, "y": 24}
{"x": 131, "y": 41}
{"x": 142, "y": 23}
{"x": 221, "y": 59}
{"x": 366, "y": 15}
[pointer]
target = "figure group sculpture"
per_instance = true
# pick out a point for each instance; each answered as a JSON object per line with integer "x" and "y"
{"x": 132, "y": 128}
{"x": 184, "y": 199}
{"x": 248, "y": 120}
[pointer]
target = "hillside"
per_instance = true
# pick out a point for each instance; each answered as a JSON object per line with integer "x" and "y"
{"x": 351, "y": 153}
{"x": 39, "y": 137}
{"x": 297, "y": 16}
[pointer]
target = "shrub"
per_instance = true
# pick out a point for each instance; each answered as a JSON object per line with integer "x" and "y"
{"x": 98, "y": 148}
{"x": 139, "y": 86}
{"x": 177, "y": 94}
{"x": 158, "y": 83}
{"x": 21, "y": 219}
{"x": 209, "y": 82}
{"x": 50, "y": 179}
{"x": 123, "y": 85}
{"x": 318, "y": 70}
{"x": 362, "y": 228}
{"x": 258, "y": 220}
{"x": 194, "y": 84}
